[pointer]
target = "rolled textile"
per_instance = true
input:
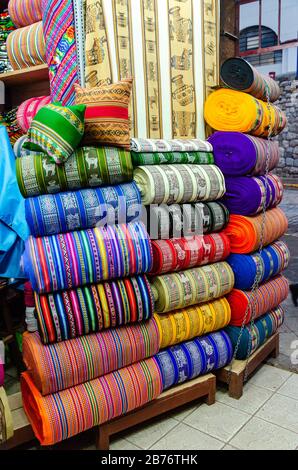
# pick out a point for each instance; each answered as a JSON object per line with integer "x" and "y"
{"x": 183, "y": 325}
{"x": 245, "y": 232}
{"x": 64, "y": 414}
{"x": 68, "y": 314}
{"x": 158, "y": 158}
{"x": 87, "y": 208}
{"x": 25, "y": 12}
{"x": 74, "y": 259}
{"x": 247, "y": 195}
{"x": 254, "y": 336}
{"x": 173, "y": 145}
{"x": 238, "y": 154}
{"x": 28, "y": 110}
{"x": 183, "y": 253}
{"x": 247, "y": 304}
{"x": 240, "y": 75}
{"x": 271, "y": 261}
{"x": 6, "y": 422}
{"x": 229, "y": 110}
{"x": 62, "y": 365}
{"x": 87, "y": 167}
{"x": 26, "y": 46}
{"x": 170, "y": 184}
{"x": 194, "y": 358}
{"x": 191, "y": 287}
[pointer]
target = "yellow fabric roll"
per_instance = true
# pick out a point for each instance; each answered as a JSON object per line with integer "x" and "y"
{"x": 6, "y": 423}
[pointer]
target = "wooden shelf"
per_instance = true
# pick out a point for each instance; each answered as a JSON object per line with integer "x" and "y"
{"x": 25, "y": 76}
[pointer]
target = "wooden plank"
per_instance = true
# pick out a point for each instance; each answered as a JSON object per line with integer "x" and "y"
{"x": 25, "y": 76}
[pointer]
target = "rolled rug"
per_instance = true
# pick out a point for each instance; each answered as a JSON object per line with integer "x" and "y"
{"x": 25, "y": 12}
{"x": 172, "y": 145}
{"x": 75, "y": 259}
{"x": 26, "y": 46}
{"x": 238, "y": 154}
{"x": 64, "y": 414}
{"x": 159, "y": 158}
{"x": 245, "y": 232}
{"x": 268, "y": 296}
{"x": 191, "y": 287}
{"x": 28, "y": 110}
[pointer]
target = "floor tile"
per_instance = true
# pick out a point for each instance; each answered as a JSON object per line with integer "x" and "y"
{"x": 184, "y": 437}
{"x": 281, "y": 410}
{"x": 228, "y": 447}
{"x": 292, "y": 324}
{"x": 122, "y": 444}
{"x": 287, "y": 343}
{"x": 290, "y": 387}
{"x": 183, "y": 412}
{"x": 252, "y": 399}
{"x": 145, "y": 436}
{"x": 270, "y": 377}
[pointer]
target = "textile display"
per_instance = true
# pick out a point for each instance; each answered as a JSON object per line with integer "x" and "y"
{"x": 6, "y": 27}
{"x": 74, "y": 410}
{"x": 87, "y": 208}
{"x": 271, "y": 261}
{"x": 268, "y": 296}
{"x": 86, "y": 167}
{"x": 6, "y": 423}
{"x": 194, "y": 358}
{"x": 172, "y": 145}
{"x": 80, "y": 38}
{"x": 178, "y": 254}
{"x": 229, "y": 110}
{"x": 26, "y": 46}
{"x": 170, "y": 184}
{"x": 8, "y": 119}
{"x": 199, "y": 158}
{"x": 245, "y": 232}
{"x": 191, "y": 287}
{"x": 28, "y": 110}
{"x": 74, "y": 259}
{"x": 211, "y": 43}
{"x": 238, "y": 154}
{"x": 247, "y": 195}
{"x": 25, "y": 12}
{"x": 186, "y": 324}
{"x": 254, "y": 336}
{"x": 238, "y": 74}
{"x": 63, "y": 365}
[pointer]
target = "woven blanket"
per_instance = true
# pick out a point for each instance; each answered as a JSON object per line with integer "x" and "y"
{"x": 58, "y": 213}
{"x": 268, "y": 296}
{"x": 6, "y": 423}
{"x": 271, "y": 261}
{"x": 238, "y": 154}
{"x": 25, "y": 12}
{"x": 175, "y": 145}
{"x": 186, "y": 324}
{"x": 74, "y": 259}
{"x": 74, "y": 410}
{"x": 191, "y": 287}
{"x": 194, "y": 358}
{"x": 26, "y": 46}
{"x": 170, "y": 184}
{"x": 159, "y": 158}
{"x": 28, "y": 110}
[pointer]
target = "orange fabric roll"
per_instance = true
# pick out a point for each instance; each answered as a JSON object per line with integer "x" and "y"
{"x": 26, "y": 46}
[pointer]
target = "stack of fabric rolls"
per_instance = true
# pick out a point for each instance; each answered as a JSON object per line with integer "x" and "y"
{"x": 247, "y": 162}
{"x": 6, "y": 27}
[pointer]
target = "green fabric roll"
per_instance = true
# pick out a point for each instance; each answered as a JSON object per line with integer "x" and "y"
{"x": 153, "y": 158}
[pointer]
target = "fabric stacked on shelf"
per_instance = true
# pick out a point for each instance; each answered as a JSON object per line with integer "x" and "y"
{"x": 9, "y": 120}
{"x": 6, "y": 27}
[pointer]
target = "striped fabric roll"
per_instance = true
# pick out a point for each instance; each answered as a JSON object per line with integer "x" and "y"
{"x": 59, "y": 366}
{"x": 64, "y": 414}
{"x": 194, "y": 358}
{"x": 170, "y": 184}
{"x": 254, "y": 336}
{"x": 26, "y": 46}
{"x": 171, "y": 145}
{"x": 77, "y": 312}
{"x": 74, "y": 259}
{"x": 28, "y": 110}
{"x": 183, "y": 253}
{"x": 25, "y": 12}
{"x": 191, "y": 287}
{"x": 247, "y": 304}
{"x": 87, "y": 208}
{"x": 183, "y": 325}
{"x": 160, "y": 158}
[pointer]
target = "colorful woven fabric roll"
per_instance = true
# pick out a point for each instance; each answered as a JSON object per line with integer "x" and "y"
{"x": 183, "y": 325}
{"x": 74, "y": 259}
{"x": 26, "y": 46}
{"x": 59, "y": 366}
{"x": 58, "y": 213}
{"x": 174, "y": 145}
{"x": 28, "y": 110}
{"x": 191, "y": 287}
{"x": 271, "y": 261}
{"x": 245, "y": 232}
{"x": 74, "y": 410}
{"x": 158, "y": 158}
{"x": 229, "y": 110}
{"x": 78, "y": 312}
{"x": 194, "y": 358}
{"x": 87, "y": 167}
{"x": 248, "y": 195}
{"x": 238, "y": 154}
{"x": 247, "y": 304}
{"x": 170, "y": 184}
{"x": 183, "y": 253}
{"x": 254, "y": 336}
{"x": 25, "y": 12}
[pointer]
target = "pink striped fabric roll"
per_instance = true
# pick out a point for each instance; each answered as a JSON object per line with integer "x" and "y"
{"x": 25, "y": 12}
{"x": 28, "y": 109}
{"x": 26, "y": 47}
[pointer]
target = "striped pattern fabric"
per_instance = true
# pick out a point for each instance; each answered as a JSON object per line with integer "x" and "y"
{"x": 268, "y": 296}
{"x": 25, "y": 12}
{"x": 86, "y": 167}
{"x": 87, "y": 208}
{"x": 172, "y": 145}
{"x": 183, "y": 325}
{"x": 160, "y": 158}
{"x": 62, "y": 365}
{"x": 197, "y": 285}
{"x": 74, "y": 259}
{"x": 64, "y": 414}
{"x": 28, "y": 110}
{"x": 26, "y": 46}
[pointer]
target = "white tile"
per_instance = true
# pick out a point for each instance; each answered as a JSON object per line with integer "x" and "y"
{"x": 261, "y": 435}
{"x": 282, "y": 411}
{"x": 290, "y": 387}
{"x": 184, "y": 437}
{"x": 252, "y": 399}
{"x": 122, "y": 444}
{"x": 219, "y": 420}
{"x": 147, "y": 435}
{"x": 183, "y": 412}
{"x": 270, "y": 377}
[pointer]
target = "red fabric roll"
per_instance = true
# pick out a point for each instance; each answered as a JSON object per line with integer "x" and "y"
{"x": 28, "y": 110}
{"x": 29, "y": 295}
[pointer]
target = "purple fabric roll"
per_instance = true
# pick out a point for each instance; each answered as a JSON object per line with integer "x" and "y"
{"x": 1, "y": 375}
